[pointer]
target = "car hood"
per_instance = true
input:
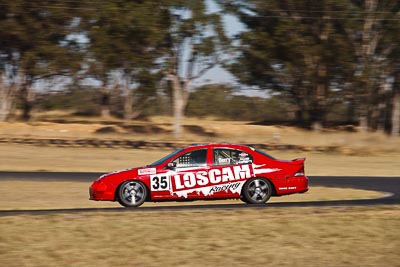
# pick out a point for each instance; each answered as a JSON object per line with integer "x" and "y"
{"x": 124, "y": 172}
{"x": 130, "y": 173}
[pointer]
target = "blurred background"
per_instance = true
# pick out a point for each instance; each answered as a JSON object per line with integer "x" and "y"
{"x": 316, "y": 65}
{"x": 101, "y": 85}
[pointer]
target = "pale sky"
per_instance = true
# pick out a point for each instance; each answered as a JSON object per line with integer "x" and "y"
{"x": 219, "y": 75}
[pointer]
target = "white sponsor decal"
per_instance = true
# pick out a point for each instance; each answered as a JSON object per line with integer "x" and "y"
{"x": 288, "y": 188}
{"x": 214, "y": 176}
{"x": 208, "y": 182}
{"x": 224, "y": 160}
{"x": 257, "y": 169}
{"x": 147, "y": 171}
{"x": 235, "y": 188}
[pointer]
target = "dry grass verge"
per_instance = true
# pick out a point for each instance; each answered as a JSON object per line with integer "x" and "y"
{"x": 201, "y": 131}
{"x": 251, "y": 237}
{"x": 32, "y": 158}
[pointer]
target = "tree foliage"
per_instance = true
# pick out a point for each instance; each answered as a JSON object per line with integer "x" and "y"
{"x": 223, "y": 102}
{"x": 124, "y": 41}
{"x": 34, "y": 45}
{"x": 316, "y": 58}
{"x": 318, "y": 53}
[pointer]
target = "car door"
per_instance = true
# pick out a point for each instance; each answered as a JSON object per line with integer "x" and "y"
{"x": 183, "y": 176}
{"x": 230, "y": 169}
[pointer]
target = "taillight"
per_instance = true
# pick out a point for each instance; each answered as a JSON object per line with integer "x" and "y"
{"x": 300, "y": 172}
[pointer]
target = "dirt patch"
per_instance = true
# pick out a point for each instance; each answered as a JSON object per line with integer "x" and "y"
{"x": 107, "y": 130}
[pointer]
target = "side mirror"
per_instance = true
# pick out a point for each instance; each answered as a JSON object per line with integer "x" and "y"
{"x": 171, "y": 165}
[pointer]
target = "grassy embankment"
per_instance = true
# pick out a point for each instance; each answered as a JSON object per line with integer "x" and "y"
{"x": 357, "y": 154}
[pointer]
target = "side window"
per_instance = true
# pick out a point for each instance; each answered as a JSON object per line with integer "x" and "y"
{"x": 196, "y": 158}
{"x": 231, "y": 157}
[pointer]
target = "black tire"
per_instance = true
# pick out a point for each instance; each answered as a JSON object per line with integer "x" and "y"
{"x": 256, "y": 191}
{"x": 131, "y": 193}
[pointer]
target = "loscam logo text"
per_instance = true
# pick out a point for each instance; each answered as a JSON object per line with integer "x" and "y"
{"x": 212, "y": 177}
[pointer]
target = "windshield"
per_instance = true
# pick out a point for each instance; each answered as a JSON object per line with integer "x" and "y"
{"x": 158, "y": 162}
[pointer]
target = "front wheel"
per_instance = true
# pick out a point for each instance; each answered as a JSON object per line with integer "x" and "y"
{"x": 256, "y": 191}
{"x": 132, "y": 193}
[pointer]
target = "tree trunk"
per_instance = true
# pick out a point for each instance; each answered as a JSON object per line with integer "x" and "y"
{"x": 128, "y": 100}
{"x": 318, "y": 112}
{"x": 396, "y": 113}
{"x": 382, "y": 106}
{"x": 299, "y": 116}
{"x": 381, "y": 116}
{"x": 27, "y": 96}
{"x": 7, "y": 96}
{"x": 351, "y": 110}
{"x": 363, "y": 121}
{"x": 180, "y": 97}
{"x": 128, "y": 105}
{"x": 105, "y": 103}
{"x": 367, "y": 51}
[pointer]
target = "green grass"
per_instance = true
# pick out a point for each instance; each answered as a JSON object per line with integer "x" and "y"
{"x": 250, "y": 237}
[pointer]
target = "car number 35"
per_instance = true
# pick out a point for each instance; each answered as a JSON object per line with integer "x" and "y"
{"x": 159, "y": 183}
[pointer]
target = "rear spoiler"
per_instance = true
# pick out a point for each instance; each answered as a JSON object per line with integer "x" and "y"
{"x": 297, "y": 161}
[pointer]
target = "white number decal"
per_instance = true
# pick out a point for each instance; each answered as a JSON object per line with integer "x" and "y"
{"x": 159, "y": 182}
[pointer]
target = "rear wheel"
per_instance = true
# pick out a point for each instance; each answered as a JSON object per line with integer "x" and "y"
{"x": 256, "y": 191}
{"x": 132, "y": 193}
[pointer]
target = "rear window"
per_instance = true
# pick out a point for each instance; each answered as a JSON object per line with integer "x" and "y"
{"x": 224, "y": 156}
{"x": 265, "y": 154}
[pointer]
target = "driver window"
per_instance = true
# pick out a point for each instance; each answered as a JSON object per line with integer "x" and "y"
{"x": 196, "y": 158}
{"x": 231, "y": 157}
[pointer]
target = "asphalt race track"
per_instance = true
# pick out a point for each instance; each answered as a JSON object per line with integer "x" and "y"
{"x": 389, "y": 185}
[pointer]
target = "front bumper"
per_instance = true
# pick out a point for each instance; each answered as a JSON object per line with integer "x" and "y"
{"x": 100, "y": 191}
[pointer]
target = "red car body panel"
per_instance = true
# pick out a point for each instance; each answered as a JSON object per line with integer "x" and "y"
{"x": 208, "y": 181}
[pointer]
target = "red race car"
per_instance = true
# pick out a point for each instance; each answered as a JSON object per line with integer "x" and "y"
{"x": 212, "y": 171}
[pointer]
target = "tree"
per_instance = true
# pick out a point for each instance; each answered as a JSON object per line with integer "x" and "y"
{"x": 34, "y": 45}
{"x": 196, "y": 39}
{"x": 395, "y": 114}
{"x": 296, "y": 48}
{"x": 322, "y": 53}
{"x": 223, "y": 102}
{"x": 396, "y": 108}
{"x": 123, "y": 46}
{"x": 374, "y": 35}
{"x": 8, "y": 88}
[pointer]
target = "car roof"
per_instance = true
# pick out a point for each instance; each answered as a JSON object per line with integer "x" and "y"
{"x": 218, "y": 145}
